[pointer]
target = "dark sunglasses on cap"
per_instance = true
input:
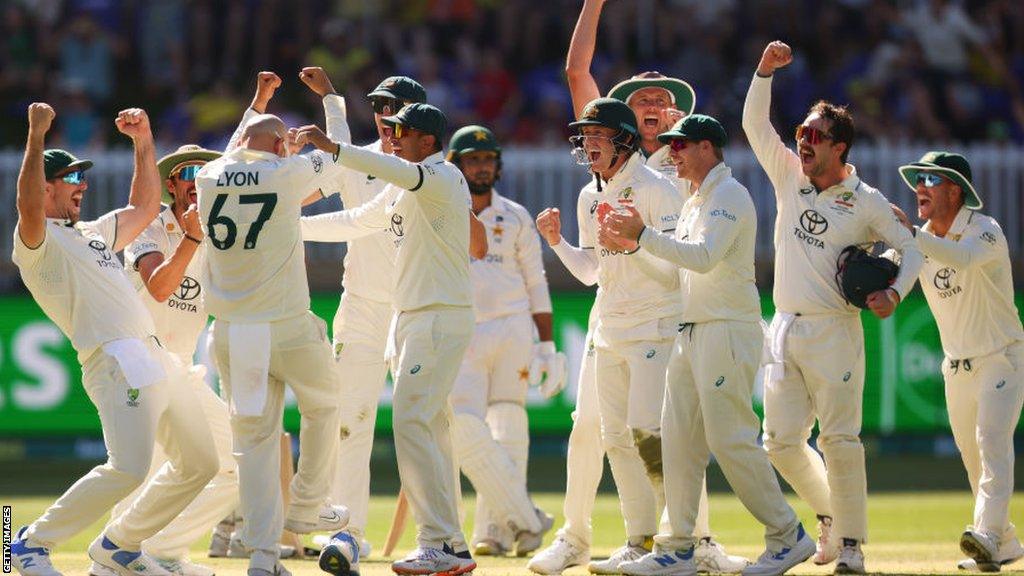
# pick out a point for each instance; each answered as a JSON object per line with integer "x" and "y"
{"x": 378, "y": 103}
{"x": 188, "y": 173}
{"x": 677, "y": 144}
{"x": 813, "y": 135}
{"x": 929, "y": 179}
{"x": 74, "y": 178}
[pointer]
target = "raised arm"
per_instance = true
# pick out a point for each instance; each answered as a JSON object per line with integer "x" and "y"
{"x": 775, "y": 158}
{"x": 347, "y": 224}
{"x": 161, "y": 275}
{"x": 266, "y": 84}
{"x": 581, "y": 262}
{"x": 582, "y": 85}
{"x": 32, "y": 178}
{"x": 401, "y": 173}
{"x": 144, "y": 198}
{"x": 334, "y": 105}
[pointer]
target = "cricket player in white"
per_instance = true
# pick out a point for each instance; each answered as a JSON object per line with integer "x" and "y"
{"x": 815, "y": 367}
{"x": 138, "y": 388}
{"x": 657, "y": 102}
{"x": 968, "y": 283}
{"x": 510, "y": 302}
{"x": 255, "y": 278}
{"x": 165, "y": 264}
{"x": 425, "y": 207}
{"x": 637, "y": 315}
{"x": 710, "y": 375}
{"x": 364, "y": 311}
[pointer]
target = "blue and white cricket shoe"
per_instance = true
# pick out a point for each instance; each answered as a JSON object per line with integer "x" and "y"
{"x": 124, "y": 562}
{"x": 340, "y": 556}
{"x": 29, "y": 560}
{"x": 778, "y": 563}
{"x": 662, "y": 563}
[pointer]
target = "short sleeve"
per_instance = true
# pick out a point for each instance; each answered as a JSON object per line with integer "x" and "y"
{"x": 149, "y": 241}
{"x": 25, "y": 257}
{"x": 105, "y": 226}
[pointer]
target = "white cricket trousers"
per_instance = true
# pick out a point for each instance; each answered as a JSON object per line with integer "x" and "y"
{"x": 631, "y": 390}
{"x": 492, "y": 445}
{"x": 163, "y": 413}
{"x": 584, "y": 462}
{"x": 823, "y": 379}
{"x": 709, "y": 386}
{"x": 300, "y": 356}
{"x": 427, "y": 350}
{"x": 984, "y": 397}
{"x": 218, "y": 499}
{"x": 360, "y": 338}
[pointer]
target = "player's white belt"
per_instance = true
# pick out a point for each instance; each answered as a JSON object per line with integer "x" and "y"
{"x": 249, "y": 360}
{"x": 774, "y": 368}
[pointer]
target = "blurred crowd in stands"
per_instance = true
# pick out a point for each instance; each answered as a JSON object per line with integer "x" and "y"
{"x": 937, "y": 70}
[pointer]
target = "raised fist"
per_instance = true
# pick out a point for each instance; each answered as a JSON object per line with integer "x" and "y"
{"x": 133, "y": 122}
{"x": 317, "y": 80}
{"x": 549, "y": 224}
{"x": 312, "y": 134}
{"x": 776, "y": 55}
{"x": 190, "y": 222}
{"x": 40, "y": 116}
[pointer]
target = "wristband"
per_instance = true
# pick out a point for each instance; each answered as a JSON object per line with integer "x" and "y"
{"x": 196, "y": 240}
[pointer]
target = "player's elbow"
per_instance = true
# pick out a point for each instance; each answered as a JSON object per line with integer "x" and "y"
{"x": 159, "y": 293}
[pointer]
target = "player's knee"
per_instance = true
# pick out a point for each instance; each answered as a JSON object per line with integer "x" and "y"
{"x": 828, "y": 442}
{"x": 617, "y": 441}
{"x": 648, "y": 443}
{"x": 202, "y": 465}
{"x": 130, "y": 474}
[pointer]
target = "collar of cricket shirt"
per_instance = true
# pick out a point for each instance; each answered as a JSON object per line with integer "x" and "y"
{"x": 168, "y": 220}
{"x": 62, "y": 222}
{"x": 956, "y": 229}
{"x": 625, "y": 173}
{"x": 714, "y": 177}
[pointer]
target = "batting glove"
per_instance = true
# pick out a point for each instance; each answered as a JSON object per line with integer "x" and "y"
{"x": 550, "y": 362}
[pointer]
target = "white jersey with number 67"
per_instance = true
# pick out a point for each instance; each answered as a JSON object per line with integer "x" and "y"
{"x": 250, "y": 202}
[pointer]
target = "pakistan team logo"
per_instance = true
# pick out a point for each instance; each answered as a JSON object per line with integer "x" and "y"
{"x": 189, "y": 289}
{"x": 133, "y": 397}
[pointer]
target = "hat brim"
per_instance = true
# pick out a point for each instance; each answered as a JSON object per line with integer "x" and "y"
{"x": 76, "y": 166}
{"x": 665, "y": 137}
{"x": 909, "y": 174}
{"x": 384, "y": 93}
{"x": 167, "y": 163}
{"x": 683, "y": 95}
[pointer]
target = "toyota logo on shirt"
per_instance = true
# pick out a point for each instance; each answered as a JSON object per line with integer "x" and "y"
{"x": 189, "y": 289}
{"x": 944, "y": 278}
{"x": 813, "y": 222}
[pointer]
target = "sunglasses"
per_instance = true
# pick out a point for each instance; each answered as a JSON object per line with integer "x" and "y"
{"x": 74, "y": 178}
{"x": 188, "y": 173}
{"x": 399, "y": 130}
{"x": 378, "y": 103}
{"x": 813, "y": 135}
{"x": 929, "y": 180}
{"x": 677, "y": 144}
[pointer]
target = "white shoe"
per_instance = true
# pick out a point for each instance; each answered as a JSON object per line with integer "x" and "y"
{"x": 527, "y": 542}
{"x": 331, "y": 519}
{"x": 1010, "y": 550}
{"x": 31, "y": 561}
{"x": 124, "y": 562}
{"x": 777, "y": 563}
{"x": 433, "y": 561}
{"x": 97, "y": 569}
{"x": 184, "y": 567}
{"x": 661, "y": 563}
{"x": 561, "y": 554}
{"x": 340, "y": 557}
{"x": 365, "y": 548}
{"x": 710, "y": 557}
{"x": 627, "y": 553}
{"x": 827, "y": 550}
{"x": 851, "y": 559}
{"x": 982, "y": 548}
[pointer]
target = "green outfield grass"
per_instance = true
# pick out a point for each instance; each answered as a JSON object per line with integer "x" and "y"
{"x": 911, "y": 533}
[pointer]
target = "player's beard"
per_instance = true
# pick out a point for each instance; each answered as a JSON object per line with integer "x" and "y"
{"x": 478, "y": 188}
